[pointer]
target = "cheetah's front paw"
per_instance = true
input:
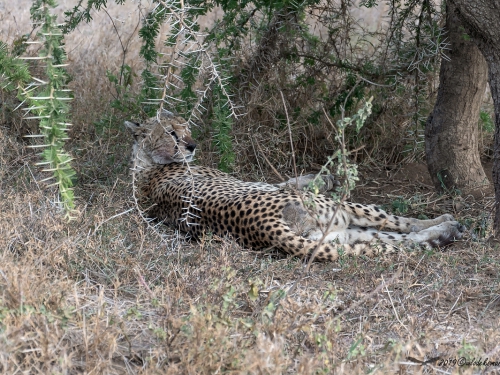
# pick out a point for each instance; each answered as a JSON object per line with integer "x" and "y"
{"x": 443, "y": 234}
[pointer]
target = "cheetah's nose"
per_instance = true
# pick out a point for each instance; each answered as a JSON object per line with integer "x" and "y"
{"x": 191, "y": 146}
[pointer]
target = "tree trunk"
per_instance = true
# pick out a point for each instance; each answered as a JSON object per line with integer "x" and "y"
{"x": 451, "y": 132}
{"x": 481, "y": 19}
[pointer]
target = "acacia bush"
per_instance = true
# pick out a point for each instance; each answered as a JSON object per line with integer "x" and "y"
{"x": 228, "y": 78}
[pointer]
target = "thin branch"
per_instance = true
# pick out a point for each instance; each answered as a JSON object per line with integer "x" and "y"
{"x": 291, "y": 140}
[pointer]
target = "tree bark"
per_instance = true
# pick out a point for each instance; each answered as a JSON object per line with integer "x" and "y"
{"x": 451, "y": 132}
{"x": 481, "y": 19}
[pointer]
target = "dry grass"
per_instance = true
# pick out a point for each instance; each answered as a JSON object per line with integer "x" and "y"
{"x": 108, "y": 294}
{"x": 112, "y": 295}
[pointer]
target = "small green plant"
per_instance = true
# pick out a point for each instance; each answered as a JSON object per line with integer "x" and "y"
{"x": 467, "y": 350}
{"x": 357, "y": 349}
{"x": 253, "y": 292}
{"x": 342, "y": 259}
{"x": 400, "y": 206}
{"x": 274, "y": 302}
{"x": 346, "y": 170}
{"x": 486, "y": 122}
{"x": 479, "y": 226}
{"x": 465, "y": 36}
{"x": 331, "y": 294}
{"x": 447, "y": 184}
{"x": 368, "y": 3}
{"x": 124, "y": 100}
{"x": 126, "y": 103}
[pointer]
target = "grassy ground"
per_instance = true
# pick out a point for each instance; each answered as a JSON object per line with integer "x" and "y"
{"x": 108, "y": 294}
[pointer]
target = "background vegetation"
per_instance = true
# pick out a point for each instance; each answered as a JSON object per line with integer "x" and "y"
{"x": 107, "y": 293}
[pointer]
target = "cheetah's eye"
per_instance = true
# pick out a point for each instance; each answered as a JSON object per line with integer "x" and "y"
{"x": 174, "y": 134}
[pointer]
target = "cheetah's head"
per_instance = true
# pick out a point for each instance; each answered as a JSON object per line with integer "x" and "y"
{"x": 164, "y": 139}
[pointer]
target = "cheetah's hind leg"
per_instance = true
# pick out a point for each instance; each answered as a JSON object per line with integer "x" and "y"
{"x": 436, "y": 236}
{"x": 362, "y": 215}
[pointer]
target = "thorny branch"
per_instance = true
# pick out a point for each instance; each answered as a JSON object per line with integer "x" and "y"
{"x": 186, "y": 45}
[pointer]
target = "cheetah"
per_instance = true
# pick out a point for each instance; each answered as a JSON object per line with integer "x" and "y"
{"x": 199, "y": 199}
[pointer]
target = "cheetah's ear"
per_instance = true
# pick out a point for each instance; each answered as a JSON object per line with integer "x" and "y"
{"x": 166, "y": 114}
{"x": 133, "y": 127}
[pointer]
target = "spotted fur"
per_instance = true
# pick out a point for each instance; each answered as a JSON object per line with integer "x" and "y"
{"x": 198, "y": 199}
